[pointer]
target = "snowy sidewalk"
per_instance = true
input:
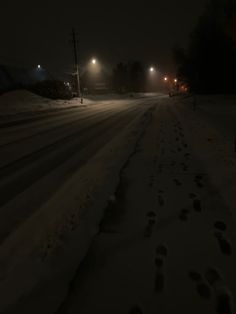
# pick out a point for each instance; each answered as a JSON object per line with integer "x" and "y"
{"x": 167, "y": 244}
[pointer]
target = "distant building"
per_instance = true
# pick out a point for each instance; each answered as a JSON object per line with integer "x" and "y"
{"x": 96, "y": 83}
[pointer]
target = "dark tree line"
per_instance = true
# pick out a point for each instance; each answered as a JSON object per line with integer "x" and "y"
{"x": 125, "y": 78}
{"x": 209, "y": 63}
{"x": 129, "y": 77}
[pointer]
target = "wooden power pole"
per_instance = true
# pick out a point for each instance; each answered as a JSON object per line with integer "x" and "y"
{"x": 75, "y": 42}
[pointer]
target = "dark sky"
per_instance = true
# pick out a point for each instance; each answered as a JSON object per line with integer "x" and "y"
{"x": 37, "y": 32}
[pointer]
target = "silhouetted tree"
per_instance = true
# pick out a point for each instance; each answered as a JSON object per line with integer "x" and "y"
{"x": 129, "y": 77}
{"x": 136, "y": 77}
{"x": 209, "y": 65}
{"x": 120, "y": 78}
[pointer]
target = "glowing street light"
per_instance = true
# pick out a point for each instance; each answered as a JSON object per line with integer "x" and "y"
{"x": 175, "y": 80}
{"x": 39, "y": 66}
{"x": 151, "y": 69}
{"x": 165, "y": 78}
{"x": 94, "y": 61}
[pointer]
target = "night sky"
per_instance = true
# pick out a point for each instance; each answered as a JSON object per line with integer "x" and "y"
{"x": 38, "y": 32}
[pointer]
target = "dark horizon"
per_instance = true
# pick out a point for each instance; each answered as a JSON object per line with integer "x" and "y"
{"x": 40, "y": 33}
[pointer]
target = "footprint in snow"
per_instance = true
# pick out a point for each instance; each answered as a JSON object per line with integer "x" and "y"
{"x": 197, "y": 205}
{"x": 135, "y": 310}
{"x": 202, "y": 288}
{"x": 152, "y": 221}
{"x": 198, "y": 180}
{"x": 177, "y": 182}
{"x": 184, "y": 214}
{"x": 198, "y": 177}
{"x": 159, "y": 262}
{"x": 199, "y": 184}
{"x": 148, "y": 231}
{"x": 151, "y": 215}
{"x": 220, "y": 225}
{"x": 224, "y": 299}
{"x": 161, "y": 253}
{"x": 224, "y": 243}
{"x": 213, "y": 276}
{"x": 192, "y": 195}
{"x": 161, "y": 250}
{"x": 185, "y": 168}
{"x": 149, "y": 228}
{"x": 161, "y": 200}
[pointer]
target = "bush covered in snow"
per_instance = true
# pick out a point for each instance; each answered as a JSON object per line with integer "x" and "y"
{"x": 52, "y": 89}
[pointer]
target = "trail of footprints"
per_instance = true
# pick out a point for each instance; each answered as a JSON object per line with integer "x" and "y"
{"x": 181, "y": 145}
{"x": 211, "y": 284}
{"x": 177, "y": 146}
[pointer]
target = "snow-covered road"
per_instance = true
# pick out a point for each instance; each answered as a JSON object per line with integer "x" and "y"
{"x": 51, "y": 166}
{"x": 149, "y": 182}
{"x": 50, "y": 149}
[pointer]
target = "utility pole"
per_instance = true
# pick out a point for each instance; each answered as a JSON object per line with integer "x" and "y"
{"x": 75, "y": 42}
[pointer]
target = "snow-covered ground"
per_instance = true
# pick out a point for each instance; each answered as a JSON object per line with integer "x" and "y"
{"x": 22, "y": 102}
{"x": 220, "y": 110}
{"x": 167, "y": 245}
{"x": 157, "y": 202}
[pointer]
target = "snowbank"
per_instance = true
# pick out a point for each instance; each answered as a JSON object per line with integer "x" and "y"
{"x": 21, "y": 101}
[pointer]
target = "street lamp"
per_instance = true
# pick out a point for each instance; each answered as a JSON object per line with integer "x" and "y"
{"x": 151, "y": 69}
{"x": 165, "y": 78}
{"x": 39, "y": 66}
{"x": 94, "y": 61}
{"x": 175, "y": 80}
